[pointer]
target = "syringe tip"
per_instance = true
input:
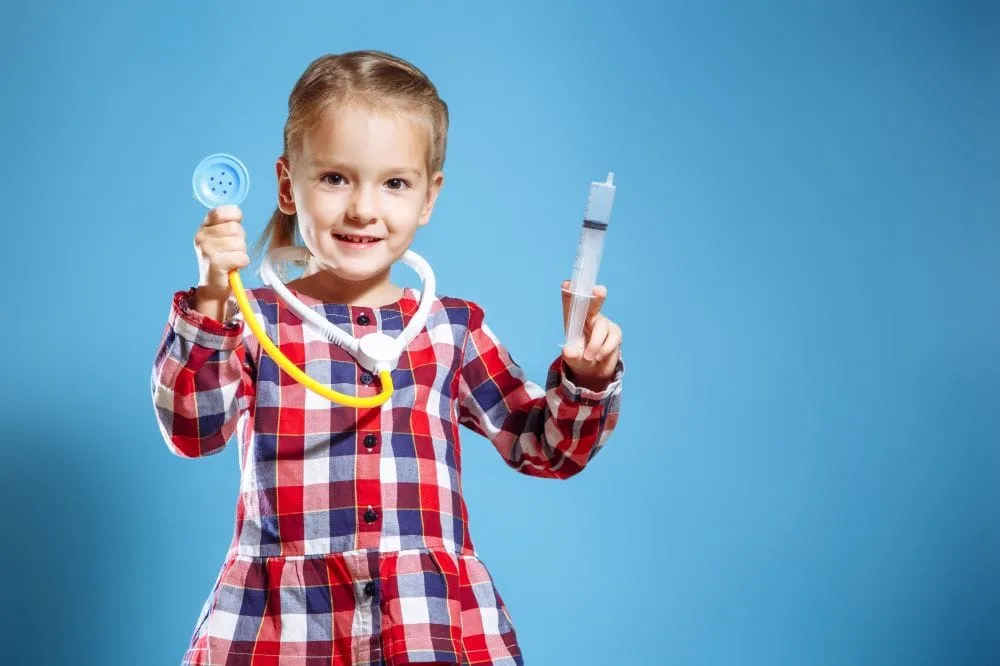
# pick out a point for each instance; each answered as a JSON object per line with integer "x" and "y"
{"x": 611, "y": 178}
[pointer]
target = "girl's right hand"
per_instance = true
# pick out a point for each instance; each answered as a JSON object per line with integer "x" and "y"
{"x": 220, "y": 245}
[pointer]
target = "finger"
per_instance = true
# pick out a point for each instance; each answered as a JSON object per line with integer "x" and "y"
{"x": 222, "y": 214}
{"x": 567, "y": 303}
{"x": 224, "y": 230}
{"x": 611, "y": 344}
{"x": 567, "y": 298}
{"x": 208, "y": 243}
{"x": 226, "y": 244}
{"x": 214, "y": 232}
{"x": 572, "y": 353}
{"x": 607, "y": 367}
{"x": 600, "y": 293}
{"x": 598, "y": 334}
{"x": 227, "y": 261}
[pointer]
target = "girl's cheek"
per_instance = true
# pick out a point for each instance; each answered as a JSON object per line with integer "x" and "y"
{"x": 402, "y": 207}
{"x": 329, "y": 208}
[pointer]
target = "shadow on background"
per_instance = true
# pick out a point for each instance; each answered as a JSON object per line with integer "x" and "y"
{"x": 62, "y": 508}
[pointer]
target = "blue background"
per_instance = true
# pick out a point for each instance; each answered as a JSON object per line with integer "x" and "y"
{"x": 804, "y": 256}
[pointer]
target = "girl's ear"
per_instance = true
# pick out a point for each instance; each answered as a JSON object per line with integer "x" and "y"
{"x": 433, "y": 189}
{"x": 286, "y": 200}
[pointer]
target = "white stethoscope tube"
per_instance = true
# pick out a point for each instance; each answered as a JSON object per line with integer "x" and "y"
{"x": 376, "y": 352}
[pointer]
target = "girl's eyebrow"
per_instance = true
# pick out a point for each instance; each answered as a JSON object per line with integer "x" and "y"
{"x": 405, "y": 171}
{"x": 322, "y": 163}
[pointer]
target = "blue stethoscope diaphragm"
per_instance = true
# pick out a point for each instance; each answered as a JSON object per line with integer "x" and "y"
{"x": 220, "y": 180}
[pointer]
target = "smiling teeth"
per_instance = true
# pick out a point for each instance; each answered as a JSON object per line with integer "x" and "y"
{"x": 357, "y": 239}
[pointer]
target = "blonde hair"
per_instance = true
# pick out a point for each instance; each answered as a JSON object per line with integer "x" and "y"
{"x": 383, "y": 82}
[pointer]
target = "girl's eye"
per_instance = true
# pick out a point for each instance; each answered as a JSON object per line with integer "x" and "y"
{"x": 395, "y": 183}
{"x": 333, "y": 179}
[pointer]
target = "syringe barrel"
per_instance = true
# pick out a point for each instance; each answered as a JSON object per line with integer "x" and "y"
{"x": 588, "y": 256}
{"x": 583, "y": 281}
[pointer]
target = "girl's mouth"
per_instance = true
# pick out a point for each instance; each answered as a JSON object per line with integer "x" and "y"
{"x": 356, "y": 242}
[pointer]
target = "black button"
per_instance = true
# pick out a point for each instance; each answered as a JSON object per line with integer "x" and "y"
{"x": 370, "y": 515}
{"x": 370, "y": 588}
{"x": 363, "y": 320}
{"x": 366, "y": 378}
{"x": 371, "y": 441}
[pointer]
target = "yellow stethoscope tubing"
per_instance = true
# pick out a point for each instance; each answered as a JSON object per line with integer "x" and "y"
{"x": 293, "y": 371}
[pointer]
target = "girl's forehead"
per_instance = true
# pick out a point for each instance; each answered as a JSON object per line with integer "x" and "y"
{"x": 355, "y": 132}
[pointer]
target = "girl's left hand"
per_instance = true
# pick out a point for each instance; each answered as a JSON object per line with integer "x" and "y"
{"x": 594, "y": 364}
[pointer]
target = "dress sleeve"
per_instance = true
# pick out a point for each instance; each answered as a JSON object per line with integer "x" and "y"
{"x": 552, "y": 432}
{"x": 202, "y": 381}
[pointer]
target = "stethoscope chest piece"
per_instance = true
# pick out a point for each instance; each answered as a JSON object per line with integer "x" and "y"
{"x": 378, "y": 351}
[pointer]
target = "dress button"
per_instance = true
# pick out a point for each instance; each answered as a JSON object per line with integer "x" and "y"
{"x": 370, "y": 588}
{"x": 363, "y": 320}
{"x": 370, "y": 515}
{"x": 371, "y": 441}
{"x": 366, "y": 378}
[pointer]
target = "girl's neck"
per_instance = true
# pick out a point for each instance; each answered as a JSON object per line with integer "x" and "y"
{"x": 376, "y": 291}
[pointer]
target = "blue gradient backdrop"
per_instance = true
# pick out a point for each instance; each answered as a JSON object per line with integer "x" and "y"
{"x": 804, "y": 256}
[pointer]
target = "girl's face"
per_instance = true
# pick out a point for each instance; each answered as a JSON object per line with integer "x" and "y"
{"x": 360, "y": 189}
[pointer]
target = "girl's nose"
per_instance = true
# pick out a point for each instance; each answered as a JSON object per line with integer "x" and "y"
{"x": 364, "y": 207}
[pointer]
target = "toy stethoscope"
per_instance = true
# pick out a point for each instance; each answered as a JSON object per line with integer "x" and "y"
{"x": 222, "y": 179}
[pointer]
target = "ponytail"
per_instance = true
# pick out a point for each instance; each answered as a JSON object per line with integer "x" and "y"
{"x": 279, "y": 232}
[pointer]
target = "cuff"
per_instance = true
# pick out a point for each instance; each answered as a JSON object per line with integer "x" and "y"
{"x": 201, "y": 329}
{"x": 582, "y": 395}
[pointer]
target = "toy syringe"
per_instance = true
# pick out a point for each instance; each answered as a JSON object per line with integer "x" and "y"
{"x": 588, "y": 257}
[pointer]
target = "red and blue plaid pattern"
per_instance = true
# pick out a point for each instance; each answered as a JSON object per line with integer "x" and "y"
{"x": 351, "y": 543}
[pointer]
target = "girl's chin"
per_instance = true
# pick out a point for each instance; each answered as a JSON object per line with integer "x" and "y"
{"x": 353, "y": 271}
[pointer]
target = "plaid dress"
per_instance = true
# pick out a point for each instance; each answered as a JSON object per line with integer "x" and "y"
{"x": 351, "y": 542}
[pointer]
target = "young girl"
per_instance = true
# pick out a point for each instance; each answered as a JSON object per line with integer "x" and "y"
{"x": 351, "y": 543}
